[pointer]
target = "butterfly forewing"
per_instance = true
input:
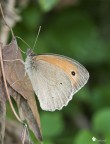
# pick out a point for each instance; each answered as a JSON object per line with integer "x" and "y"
{"x": 55, "y": 79}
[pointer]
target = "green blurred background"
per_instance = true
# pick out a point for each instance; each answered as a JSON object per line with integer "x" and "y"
{"x": 79, "y": 29}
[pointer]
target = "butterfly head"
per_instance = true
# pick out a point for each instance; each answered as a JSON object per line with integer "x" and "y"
{"x": 30, "y": 52}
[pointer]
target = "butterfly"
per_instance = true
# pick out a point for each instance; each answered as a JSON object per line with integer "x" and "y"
{"x": 55, "y": 78}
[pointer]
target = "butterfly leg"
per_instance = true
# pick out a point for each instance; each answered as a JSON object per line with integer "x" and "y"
{"x": 15, "y": 60}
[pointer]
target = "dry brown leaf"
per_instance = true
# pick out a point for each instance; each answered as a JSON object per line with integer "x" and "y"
{"x": 25, "y": 112}
{"x": 15, "y": 76}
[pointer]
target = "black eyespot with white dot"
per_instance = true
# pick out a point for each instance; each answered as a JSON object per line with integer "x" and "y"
{"x": 61, "y": 83}
{"x": 73, "y": 73}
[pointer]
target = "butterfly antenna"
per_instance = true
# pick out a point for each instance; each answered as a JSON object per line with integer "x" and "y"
{"x": 36, "y": 38}
{"x": 23, "y": 41}
{"x": 5, "y": 21}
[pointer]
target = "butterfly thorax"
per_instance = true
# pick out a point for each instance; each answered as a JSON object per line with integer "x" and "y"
{"x": 29, "y": 62}
{"x": 30, "y": 52}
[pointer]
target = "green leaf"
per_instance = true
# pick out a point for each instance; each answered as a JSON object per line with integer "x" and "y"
{"x": 84, "y": 95}
{"x": 52, "y": 124}
{"x": 84, "y": 137}
{"x": 32, "y": 18}
{"x": 101, "y": 122}
{"x": 107, "y": 139}
{"x": 48, "y": 142}
{"x": 47, "y": 5}
{"x": 100, "y": 97}
{"x": 9, "y": 112}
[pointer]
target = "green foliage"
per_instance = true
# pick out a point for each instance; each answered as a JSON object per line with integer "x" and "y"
{"x": 34, "y": 17}
{"x": 73, "y": 33}
{"x": 84, "y": 137}
{"x": 52, "y": 124}
{"x": 101, "y": 97}
{"x": 47, "y": 5}
{"x": 101, "y": 122}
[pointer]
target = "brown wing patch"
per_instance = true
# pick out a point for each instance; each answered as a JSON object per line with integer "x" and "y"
{"x": 69, "y": 68}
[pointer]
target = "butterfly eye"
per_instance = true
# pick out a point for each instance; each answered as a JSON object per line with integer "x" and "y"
{"x": 73, "y": 73}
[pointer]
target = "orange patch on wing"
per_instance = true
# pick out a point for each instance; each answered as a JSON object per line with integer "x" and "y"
{"x": 65, "y": 65}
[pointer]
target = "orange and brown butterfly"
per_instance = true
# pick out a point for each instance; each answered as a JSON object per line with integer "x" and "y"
{"x": 55, "y": 78}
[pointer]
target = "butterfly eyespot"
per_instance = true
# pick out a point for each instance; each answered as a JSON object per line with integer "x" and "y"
{"x": 61, "y": 83}
{"x": 73, "y": 73}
